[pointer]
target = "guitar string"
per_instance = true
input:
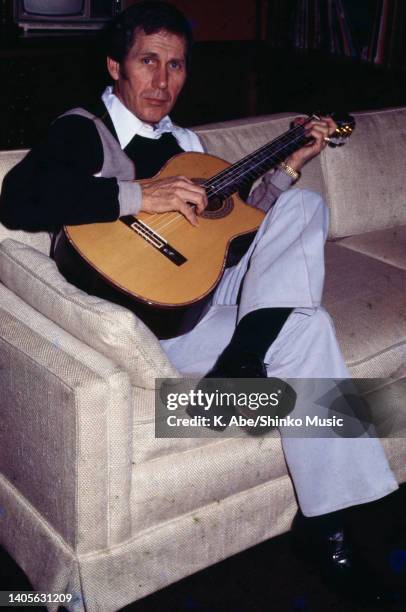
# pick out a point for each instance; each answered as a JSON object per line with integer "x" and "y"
{"x": 287, "y": 137}
{"x": 223, "y": 177}
{"x": 175, "y": 221}
{"x": 178, "y": 216}
{"x": 225, "y": 174}
{"x": 210, "y": 184}
{"x": 227, "y": 177}
{"x": 237, "y": 173}
{"x": 269, "y": 149}
{"x": 281, "y": 138}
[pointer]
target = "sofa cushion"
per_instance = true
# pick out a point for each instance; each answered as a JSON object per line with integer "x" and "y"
{"x": 366, "y": 299}
{"x": 386, "y": 245}
{"x": 189, "y": 480}
{"x": 365, "y": 179}
{"x": 39, "y": 240}
{"x": 111, "y": 329}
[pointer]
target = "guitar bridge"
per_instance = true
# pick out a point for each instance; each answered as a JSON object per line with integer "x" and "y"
{"x": 154, "y": 239}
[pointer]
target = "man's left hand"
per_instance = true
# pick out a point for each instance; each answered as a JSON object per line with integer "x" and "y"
{"x": 319, "y": 130}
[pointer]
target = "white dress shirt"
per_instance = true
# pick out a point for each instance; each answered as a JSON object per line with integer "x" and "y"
{"x": 127, "y": 125}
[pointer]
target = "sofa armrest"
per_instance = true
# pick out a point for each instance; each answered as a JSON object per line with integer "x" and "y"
{"x": 365, "y": 179}
{"x": 65, "y": 433}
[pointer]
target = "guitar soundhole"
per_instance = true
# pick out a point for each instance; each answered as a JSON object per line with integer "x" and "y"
{"x": 217, "y": 207}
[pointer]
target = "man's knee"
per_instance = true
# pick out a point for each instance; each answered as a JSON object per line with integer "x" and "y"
{"x": 299, "y": 194}
{"x": 319, "y": 325}
{"x": 313, "y": 202}
{"x": 303, "y": 201}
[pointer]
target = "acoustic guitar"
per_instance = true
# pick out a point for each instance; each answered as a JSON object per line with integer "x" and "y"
{"x": 159, "y": 265}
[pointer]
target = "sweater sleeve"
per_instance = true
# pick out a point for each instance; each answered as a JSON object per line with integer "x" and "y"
{"x": 266, "y": 193}
{"x": 54, "y": 184}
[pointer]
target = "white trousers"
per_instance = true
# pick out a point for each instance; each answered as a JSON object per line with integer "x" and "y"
{"x": 284, "y": 267}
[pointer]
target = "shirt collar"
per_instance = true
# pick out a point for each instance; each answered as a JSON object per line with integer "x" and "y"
{"x": 127, "y": 125}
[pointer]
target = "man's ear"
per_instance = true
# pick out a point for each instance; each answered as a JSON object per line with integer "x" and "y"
{"x": 114, "y": 68}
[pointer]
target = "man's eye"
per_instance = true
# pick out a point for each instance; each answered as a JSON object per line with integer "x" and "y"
{"x": 147, "y": 60}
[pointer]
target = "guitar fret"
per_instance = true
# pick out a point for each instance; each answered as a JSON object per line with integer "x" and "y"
{"x": 284, "y": 140}
{"x": 235, "y": 175}
{"x": 257, "y": 163}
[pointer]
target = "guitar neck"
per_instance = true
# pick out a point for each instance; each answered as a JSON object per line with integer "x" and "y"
{"x": 255, "y": 164}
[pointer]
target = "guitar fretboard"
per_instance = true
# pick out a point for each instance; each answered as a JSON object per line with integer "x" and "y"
{"x": 255, "y": 164}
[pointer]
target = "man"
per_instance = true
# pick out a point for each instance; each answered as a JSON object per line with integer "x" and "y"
{"x": 265, "y": 317}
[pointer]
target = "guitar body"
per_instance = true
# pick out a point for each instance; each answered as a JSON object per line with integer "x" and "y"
{"x": 167, "y": 286}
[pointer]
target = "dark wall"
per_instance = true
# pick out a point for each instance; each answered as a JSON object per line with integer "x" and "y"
{"x": 214, "y": 20}
{"x": 43, "y": 77}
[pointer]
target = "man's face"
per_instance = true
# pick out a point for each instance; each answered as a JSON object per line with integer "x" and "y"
{"x": 152, "y": 75}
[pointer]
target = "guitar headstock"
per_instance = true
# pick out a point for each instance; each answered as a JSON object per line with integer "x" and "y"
{"x": 345, "y": 127}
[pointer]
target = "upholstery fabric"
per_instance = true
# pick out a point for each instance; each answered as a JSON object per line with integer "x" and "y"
{"x": 387, "y": 245}
{"x": 182, "y": 546}
{"x": 108, "y": 328}
{"x": 38, "y": 240}
{"x": 68, "y": 428}
{"x": 110, "y": 579}
{"x": 366, "y": 299}
{"x": 387, "y": 402}
{"x": 365, "y": 179}
{"x": 147, "y": 446}
{"x": 186, "y": 481}
{"x": 41, "y": 552}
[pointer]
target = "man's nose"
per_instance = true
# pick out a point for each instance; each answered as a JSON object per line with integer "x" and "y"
{"x": 161, "y": 77}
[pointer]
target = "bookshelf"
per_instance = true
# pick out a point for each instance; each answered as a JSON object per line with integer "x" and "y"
{"x": 372, "y": 31}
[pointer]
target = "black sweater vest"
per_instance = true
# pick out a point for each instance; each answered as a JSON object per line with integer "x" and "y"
{"x": 148, "y": 154}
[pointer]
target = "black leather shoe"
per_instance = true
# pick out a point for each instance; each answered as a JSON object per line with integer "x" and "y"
{"x": 341, "y": 568}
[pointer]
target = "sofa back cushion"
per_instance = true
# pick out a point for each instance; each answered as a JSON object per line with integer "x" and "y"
{"x": 39, "y": 240}
{"x": 362, "y": 182}
{"x": 365, "y": 179}
{"x": 112, "y": 330}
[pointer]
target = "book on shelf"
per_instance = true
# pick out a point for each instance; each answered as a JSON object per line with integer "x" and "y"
{"x": 369, "y": 30}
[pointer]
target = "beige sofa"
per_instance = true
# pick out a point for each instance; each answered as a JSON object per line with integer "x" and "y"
{"x": 91, "y": 502}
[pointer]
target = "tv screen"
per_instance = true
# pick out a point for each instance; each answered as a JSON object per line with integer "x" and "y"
{"x": 64, "y": 15}
{"x": 53, "y": 8}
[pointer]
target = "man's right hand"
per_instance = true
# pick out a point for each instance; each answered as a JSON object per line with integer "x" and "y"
{"x": 175, "y": 193}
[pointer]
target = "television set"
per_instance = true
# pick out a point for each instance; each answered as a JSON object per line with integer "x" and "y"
{"x": 51, "y": 15}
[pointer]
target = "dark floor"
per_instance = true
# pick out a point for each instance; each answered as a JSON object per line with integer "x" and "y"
{"x": 266, "y": 578}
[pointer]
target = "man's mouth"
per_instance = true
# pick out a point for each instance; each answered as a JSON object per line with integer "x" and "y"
{"x": 156, "y": 101}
